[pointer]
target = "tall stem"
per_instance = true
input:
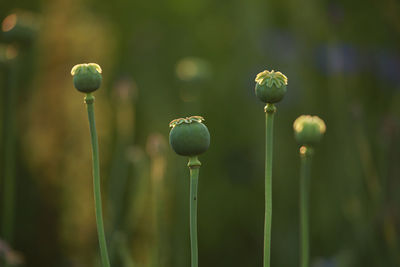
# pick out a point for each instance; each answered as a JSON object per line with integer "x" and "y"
{"x": 269, "y": 130}
{"x": 306, "y": 154}
{"x": 89, "y": 100}
{"x": 9, "y": 126}
{"x": 194, "y": 166}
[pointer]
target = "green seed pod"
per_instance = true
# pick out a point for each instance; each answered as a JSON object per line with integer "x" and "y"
{"x": 308, "y": 130}
{"x": 189, "y": 136}
{"x": 87, "y": 77}
{"x": 20, "y": 26}
{"x": 271, "y": 86}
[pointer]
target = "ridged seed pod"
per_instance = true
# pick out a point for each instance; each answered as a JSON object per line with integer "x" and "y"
{"x": 270, "y": 86}
{"x": 308, "y": 130}
{"x": 189, "y": 136}
{"x": 87, "y": 77}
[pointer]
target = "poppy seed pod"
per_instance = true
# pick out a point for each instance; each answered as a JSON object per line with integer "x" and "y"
{"x": 270, "y": 86}
{"x": 189, "y": 136}
{"x": 308, "y": 130}
{"x": 87, "y": 77}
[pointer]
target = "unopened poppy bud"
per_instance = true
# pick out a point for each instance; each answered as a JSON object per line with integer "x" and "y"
{"x": 308, "y": 130}
{"x": 87, "y": 77}
{"x": 189, "y": 136}
{"x": 271, "y": 86}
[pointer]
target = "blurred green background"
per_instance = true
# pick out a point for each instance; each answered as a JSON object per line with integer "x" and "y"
{"x": 167, "y": 59}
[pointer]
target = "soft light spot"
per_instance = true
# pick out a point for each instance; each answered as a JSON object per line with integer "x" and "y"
{"x": 303, "y": 150}
{"x": 187, "y": 69}
{"x": 9, "y": 22}
{"x": 11, "y": 52}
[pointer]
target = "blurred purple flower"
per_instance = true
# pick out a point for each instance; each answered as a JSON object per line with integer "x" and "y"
{"x": 338, "y": 59}
{"x": 325, "y": 263}
{"x": 388, "y": 66}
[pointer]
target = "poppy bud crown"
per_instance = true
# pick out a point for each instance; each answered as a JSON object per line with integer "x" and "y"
{"x": 271, "y": 86}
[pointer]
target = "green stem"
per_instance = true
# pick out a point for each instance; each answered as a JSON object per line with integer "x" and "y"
{"x": 194, "y": 166}
{"x": 305, "y": 154}
{"x": 89, "y": 100}
{"x": 269, "y": 130}
{"x": 9, "y": 127}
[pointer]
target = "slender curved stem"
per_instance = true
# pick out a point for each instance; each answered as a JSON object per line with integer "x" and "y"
{"x": 194, "y": 166}
{"x": 269, "y": 130}
{"x": 9, "y": 127}
{"x": 89, "y": 100}
{"x": 304, "y": 200}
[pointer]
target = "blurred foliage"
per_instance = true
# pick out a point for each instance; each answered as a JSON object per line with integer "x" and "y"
{"x": 163, "y": 60}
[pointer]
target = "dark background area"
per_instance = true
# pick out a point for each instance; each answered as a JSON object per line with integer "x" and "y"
{"x": 167, "y": 59}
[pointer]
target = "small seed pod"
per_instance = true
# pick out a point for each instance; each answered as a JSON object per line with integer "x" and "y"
{"x": 308, "y": 130}
{"x": 271, "y": 86}
{"x": 87, "y": 77}
{"x": 189, "y": 136}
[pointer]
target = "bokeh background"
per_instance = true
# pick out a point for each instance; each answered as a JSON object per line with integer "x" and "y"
{"x": 167, "y": 59}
